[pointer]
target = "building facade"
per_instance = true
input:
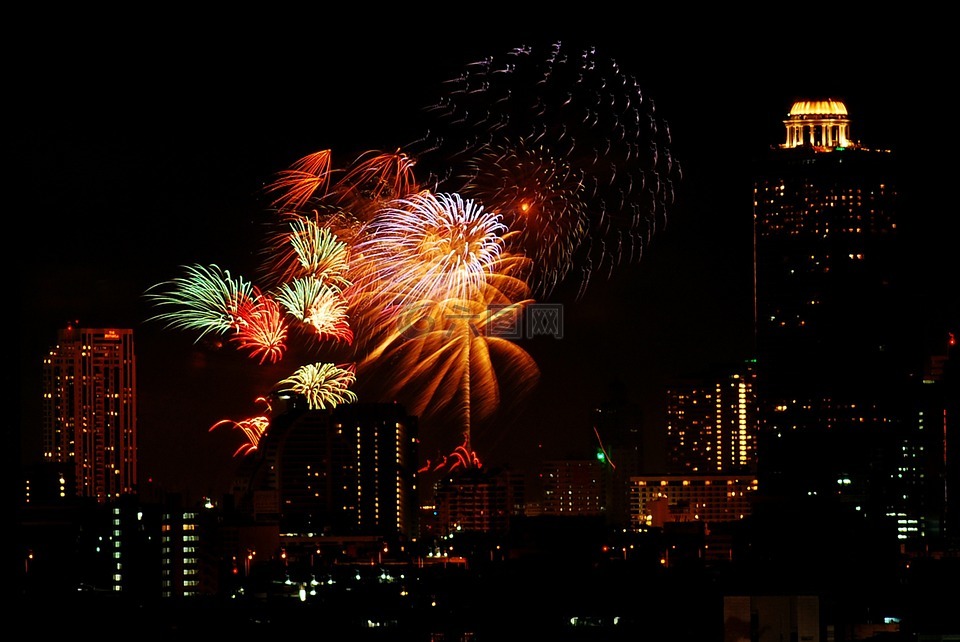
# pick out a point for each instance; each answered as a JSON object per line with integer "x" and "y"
{"x": 573, "y": 487}
{"x": 837, "y": 366}
{"x": 712, "y": 423}
{"x": 346, "y": 471}
{"x": 711, "y": 499}
{"x": 90, "y": 409}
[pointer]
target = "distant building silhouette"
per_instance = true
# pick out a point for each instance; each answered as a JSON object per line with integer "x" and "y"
{"x": 574, "y": 487}
{"x": 473, "y": 500}
{"x": 618, "y": 433}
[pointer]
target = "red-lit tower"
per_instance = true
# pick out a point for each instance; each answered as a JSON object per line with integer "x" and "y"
{"x": 90, "y": 409}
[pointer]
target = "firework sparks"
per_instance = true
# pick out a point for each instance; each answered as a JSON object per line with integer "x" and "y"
{"x": 206, "y": 300}
{"x": 261, "y": 329}
{"x": 320, "y": 306}
{"x": 462, "y": 457}
{"x": 324, "y": 385}
{"x": 252, "y": 428}
{"x": 307, "y": 248}
{"x": 428, "y": 247}
{"x": 565, "y": 134}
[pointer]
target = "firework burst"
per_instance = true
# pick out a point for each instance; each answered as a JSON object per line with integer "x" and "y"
{"x": 540, "y": 166}
{"x": 319, "y": 306}
{"x": 253, "y": 429}
{"x": 563, "y": 131}
{"x": 307, "y": 248}
{"x": 206, "y": 300}
{"x": 427, "y": 247}
{"x": 323, "y": 385}
{"x": 261, "y": 329}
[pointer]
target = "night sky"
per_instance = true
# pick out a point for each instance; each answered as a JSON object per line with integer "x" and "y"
{"x": 147, "y": 151}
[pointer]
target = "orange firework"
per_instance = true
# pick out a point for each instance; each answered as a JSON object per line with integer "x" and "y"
{"x": 253, "y": 429}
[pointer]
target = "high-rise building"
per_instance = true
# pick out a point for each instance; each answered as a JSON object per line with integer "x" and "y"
{"x": 90, "y": 409}
{"x": 346, "y": 471}
{"x": 835, "y": 366}
{"x": 712, "y": 423}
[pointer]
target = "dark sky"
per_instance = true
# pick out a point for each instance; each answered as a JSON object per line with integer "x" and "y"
{"x": 146, "y": 151}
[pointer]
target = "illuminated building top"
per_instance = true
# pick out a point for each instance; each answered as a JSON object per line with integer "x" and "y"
{"x": 821, "y": 124}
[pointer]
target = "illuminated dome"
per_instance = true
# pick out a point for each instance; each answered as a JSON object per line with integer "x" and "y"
{"x": 818, "y": 107}
{"x": 820, "y": 124}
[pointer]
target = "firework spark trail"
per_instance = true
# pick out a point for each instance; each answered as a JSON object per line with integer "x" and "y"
{"x": 427, "y": 247}
{"x": 261, "y": 329}
{"x": 323, "y": 385}
{"x": 206, "y": 300}
{"x": 307, "y": 248}
{"x": 560, "y": 140}
{"x": 319, "y": 306}
{"x": 302, "y": 182}
{"x": 253, "y": 429}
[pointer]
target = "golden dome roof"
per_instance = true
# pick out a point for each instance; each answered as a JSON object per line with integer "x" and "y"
{"x": 828, "y": 107}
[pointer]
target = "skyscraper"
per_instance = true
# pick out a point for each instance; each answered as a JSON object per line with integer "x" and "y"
{"x": 834, "y": 362}
{"x": 90, "y": 409}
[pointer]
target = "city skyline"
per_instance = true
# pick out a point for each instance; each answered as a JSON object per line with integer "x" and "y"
{"x": 216, "y": 173}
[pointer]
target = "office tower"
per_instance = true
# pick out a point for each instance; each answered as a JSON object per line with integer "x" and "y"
{"x": 346, "y": 471}
{"x": 712, "y": 423}
{"x": 90, "y": 409}
{"x": 618, "y": 438}
{"x": 833, "y": 361}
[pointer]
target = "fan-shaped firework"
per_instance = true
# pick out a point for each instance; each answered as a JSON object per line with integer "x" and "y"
{"x": 305, "y": 180}
{"x": 319, "y": 306}
{"x": 261, "y": 329}
{"x": 324, "y": 385}
{"x": 253, "y": 429}
{"x": 207, "y": 299}
{"x": 449, "y": 359}
{"x": 565, "y": 147}
{"x": 307, "y": 248}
